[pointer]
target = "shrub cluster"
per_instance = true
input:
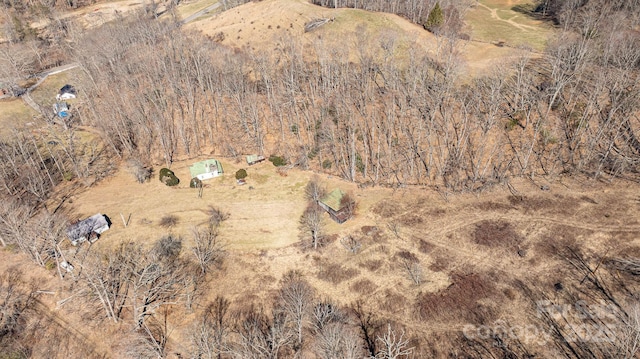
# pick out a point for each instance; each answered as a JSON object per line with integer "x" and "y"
{"x": 168, "y": 177}
{"x": 141, "y": 172}
{"x": 277, "y": 160}
{"x": 195, "y": 183}
{"x": 241, "y": 174}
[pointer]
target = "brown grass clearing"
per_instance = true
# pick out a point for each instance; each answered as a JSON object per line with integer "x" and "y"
{"x": 460, "y": 301}
{"x": 468, "y": 282}
{"x": 96, "y": 14}
{"x": 496, "y": 21}
{"x": 335, "y": 273}
{"x": 15, "y": 114}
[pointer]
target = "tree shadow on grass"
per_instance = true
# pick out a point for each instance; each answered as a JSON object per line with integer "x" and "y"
{"x": 535, "y": 12}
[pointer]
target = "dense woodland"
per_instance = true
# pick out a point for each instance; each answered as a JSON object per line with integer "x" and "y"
{"x": 413, "y": 120}
{"x": 156, "y": 93}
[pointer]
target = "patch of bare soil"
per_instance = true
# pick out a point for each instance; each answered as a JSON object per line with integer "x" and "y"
{"x": 460, "y": 301}
{"x": 493, "y": 233}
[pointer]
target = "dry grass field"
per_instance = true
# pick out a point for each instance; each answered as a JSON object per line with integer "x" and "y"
{"x": 473, "y": 249}
{"x": 15, "y": 114}
{"x": 267, "y": 25}
{"x": 97, "y": 14}
{"x": 507, "y": 22}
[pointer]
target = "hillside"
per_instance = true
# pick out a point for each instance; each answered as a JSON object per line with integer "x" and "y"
{"x": 489, "y": 174}
{"x": 267, "y": 26}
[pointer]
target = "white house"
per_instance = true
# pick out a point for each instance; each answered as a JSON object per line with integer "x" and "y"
{"x": 66, "y": 92}
{"x": 206, "y": 169}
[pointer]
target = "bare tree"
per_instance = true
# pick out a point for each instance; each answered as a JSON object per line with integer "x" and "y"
{"x": 141, "y": 172}
{"x": 393, "y": 346}
{"x": 14, "y": 217}
{"x": 150, "y": 341}
{"x": 338, "y": 340}
{"x": 314, "y": 191}
{"x": 209, "y": 337}
{"x": 216, "y": 216}
{"x": 17, "y": 301}
{"x": 627, "y": 338}
{"x": 351, "y": 243}
{"x": 410, "y": 264}
{"x": 349, "y": 205}
{"x": 158, "y": 279}
{"x": 108, "y": 278}
{"x": 207, "y": 247}
{"x": 295, "y": 299}
{"x": 258, "y": 336}
{"x": 312, "y": 226}
{"x": 326, "y": 312}
{"x": 368, "y": 324}
{"x": 16, "y": 64}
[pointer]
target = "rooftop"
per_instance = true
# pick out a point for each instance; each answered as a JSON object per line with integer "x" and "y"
{"x": 205, "y": 166}
{"x": 333, "y": 199}
{"x": 86, "y": 226}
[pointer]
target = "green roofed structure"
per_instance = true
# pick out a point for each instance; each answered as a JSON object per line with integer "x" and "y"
{"x": 333, "y": 204}
{"x": 253, "y": 159}
{"x": 206, "y": 169}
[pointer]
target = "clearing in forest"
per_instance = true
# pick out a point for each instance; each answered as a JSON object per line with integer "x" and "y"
{"x": 507, "y": 23}
{"x": 273, "y": 25}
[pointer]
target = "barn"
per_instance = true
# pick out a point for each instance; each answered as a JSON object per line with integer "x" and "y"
{"x": 88, "y": 229}
{"x": 253, "y": 159}
{"x": 333, "y": 204}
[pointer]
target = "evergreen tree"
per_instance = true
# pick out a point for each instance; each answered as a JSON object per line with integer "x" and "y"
{"x": 435, "y": 19}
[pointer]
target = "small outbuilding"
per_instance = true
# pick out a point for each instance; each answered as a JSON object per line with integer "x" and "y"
{"x": 253, "y": 159}
{"x": 66, "y": 92}
{"x": 61, "y": 109}
{"x": 334, "y": 205}
{"x": 88, "y": 229}
{"x": 206, "y": 169}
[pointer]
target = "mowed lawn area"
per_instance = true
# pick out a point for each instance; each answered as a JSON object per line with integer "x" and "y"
{"x": 507, "y": 22}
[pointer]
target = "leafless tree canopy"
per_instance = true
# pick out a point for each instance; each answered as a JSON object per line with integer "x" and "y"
{"x": 312, "y": 226}
{"x": 314, "y": 191}
{"x": 155, "y": 94}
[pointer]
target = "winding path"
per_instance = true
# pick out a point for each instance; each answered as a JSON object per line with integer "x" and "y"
{"x": 204, "y": 11}
{"x": 494, "y": 15}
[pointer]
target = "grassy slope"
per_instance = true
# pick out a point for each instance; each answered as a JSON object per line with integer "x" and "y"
{"x": 14, "y": 113}
{"x": 261, "y": 26}
{"x": 497, "y": 20}
{"x": 262, "y": 233}
{"x": 262, "y": 230}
